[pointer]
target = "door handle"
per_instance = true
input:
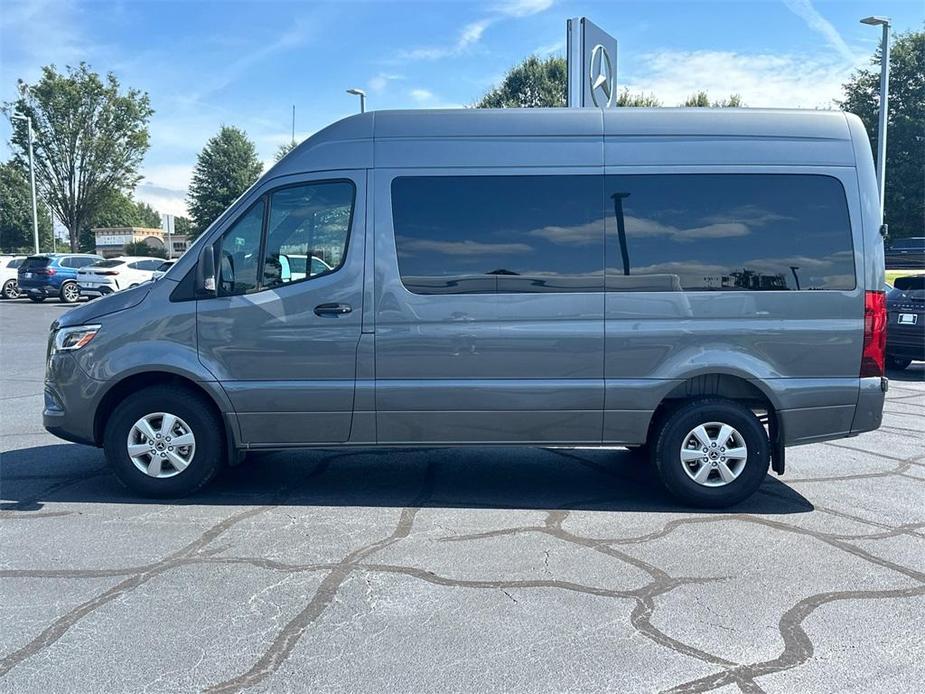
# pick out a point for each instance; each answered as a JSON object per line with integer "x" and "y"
{"x": 332, "y": 309}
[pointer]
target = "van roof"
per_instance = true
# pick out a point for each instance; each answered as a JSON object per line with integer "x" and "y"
{"x": 365, "y": 140}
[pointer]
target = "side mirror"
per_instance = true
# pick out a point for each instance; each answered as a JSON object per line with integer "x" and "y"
{"x": 205, "y": 272}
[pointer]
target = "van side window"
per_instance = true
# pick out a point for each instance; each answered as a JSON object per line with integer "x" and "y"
{"x": 499, "y": 234}
{"x": 307, "y": 231}
{"x": 726, "y": 232}
{"x": 237, "y": 254}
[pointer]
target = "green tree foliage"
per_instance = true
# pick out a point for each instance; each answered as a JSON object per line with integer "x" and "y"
{"x": 638, "y": 100}
{"x": 147, "y": 216}
{"x": 534, "y": 83}
{"x": 89, "y": 139}
{"x": 182, "y": 225}
{"x": 116, "y": 209}
{"x": 226, "y": 167}
{"x": 904, "y": 204}
{"x": 16, "y": 212}
{"x": 285, "y": 149}
{"x": 702, "y": 100}
{"x": 141, "y": 248}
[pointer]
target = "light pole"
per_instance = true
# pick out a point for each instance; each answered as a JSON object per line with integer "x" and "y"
{"x": 884, "y": 100}
{"x": 360, "y": 93}
{"x": 35, "y": 216}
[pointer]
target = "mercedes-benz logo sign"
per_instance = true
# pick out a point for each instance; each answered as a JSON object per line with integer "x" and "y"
{"x": 601, "y": 77}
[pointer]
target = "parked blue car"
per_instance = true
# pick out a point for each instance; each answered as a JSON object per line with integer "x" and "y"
{"x": 53, "y": 274}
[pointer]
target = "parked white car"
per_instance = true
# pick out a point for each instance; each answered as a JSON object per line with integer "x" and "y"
{"x": 163, "y": 268}
{"x": 113, "y": 274}
{"x": 9, "y": 288}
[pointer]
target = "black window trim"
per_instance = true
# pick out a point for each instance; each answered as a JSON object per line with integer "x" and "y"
{"x": 265, "y": 197}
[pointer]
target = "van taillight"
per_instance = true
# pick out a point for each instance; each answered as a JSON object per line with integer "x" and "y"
{"x": 46, "y": 271}
{"x": 874, "y": 353}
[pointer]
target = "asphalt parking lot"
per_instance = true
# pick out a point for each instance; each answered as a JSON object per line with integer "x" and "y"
{"x": 521, "y": 570}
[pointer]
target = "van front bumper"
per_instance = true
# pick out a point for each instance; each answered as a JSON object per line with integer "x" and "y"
{"x": 70, "y": 400}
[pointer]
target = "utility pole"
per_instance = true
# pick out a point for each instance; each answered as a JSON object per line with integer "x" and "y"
{"x": 884, "y": 100}
{"x": 293, "y": 124}
{"x": 35, "y": 218}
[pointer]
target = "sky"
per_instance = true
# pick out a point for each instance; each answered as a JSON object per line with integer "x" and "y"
{"x": 208, "y": 64}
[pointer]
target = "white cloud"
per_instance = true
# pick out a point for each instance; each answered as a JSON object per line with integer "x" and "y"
{"x": 524, "y": 8}
{"x": 421, "y": 95}
{"x": 471, "y": 33}
{"x": 164, "y": 200}
{"x": 804, "y": 10}
{"x": 380, "y": 82}
{"x": 763, "y": 80}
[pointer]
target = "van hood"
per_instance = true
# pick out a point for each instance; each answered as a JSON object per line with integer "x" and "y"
{"x": 120, "y": 301}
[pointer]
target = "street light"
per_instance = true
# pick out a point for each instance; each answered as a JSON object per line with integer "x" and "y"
{"x": 35, "y": 218}
{"x": 884, "y": 100}
{"x": 360, "y": 93}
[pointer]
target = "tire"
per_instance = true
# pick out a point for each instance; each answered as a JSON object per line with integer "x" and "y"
{"x": 723, "y": 481}
{"x": 70, "y": 293}
{"x": 37, "y": 298}
{"x": 10, "y": 290}
{"x": 194, "y": 413}
{"x": 897, "y": 363}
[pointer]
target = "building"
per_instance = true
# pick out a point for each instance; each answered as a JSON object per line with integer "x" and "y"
{"x": 111, "y": 242}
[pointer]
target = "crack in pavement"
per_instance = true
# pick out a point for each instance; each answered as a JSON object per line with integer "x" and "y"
{"x": 797, "y": 649}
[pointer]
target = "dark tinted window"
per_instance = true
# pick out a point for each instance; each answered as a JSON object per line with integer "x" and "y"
{"x": 914, "y": 244}
{"x": 15, "y": 263}
{"x": 78, "y": 261}
{"x": 35, "y": 261}
{"x": 486, "y": 234}
{"x": 109, "y": 263}
{"x": 727, "y": 232}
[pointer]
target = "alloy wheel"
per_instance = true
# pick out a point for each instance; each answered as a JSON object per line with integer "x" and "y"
{"x": 161, "y": 445}
{"x": 713, "y": 454}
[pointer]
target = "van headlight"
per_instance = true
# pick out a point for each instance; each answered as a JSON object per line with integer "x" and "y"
{"x": 71, "y": 339}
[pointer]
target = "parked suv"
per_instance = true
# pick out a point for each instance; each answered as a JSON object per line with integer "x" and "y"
{"x": 707, "y": 287}
{"x": 905, "y": 335}
{"x": 111, "y": 275}
{"x": 8, "y": 266}
{"x": 53, "y": 274}
{"x": 906, "y": 253}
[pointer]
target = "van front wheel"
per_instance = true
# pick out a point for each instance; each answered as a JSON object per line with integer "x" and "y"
{"x": 712, "y": 453}
{"x": 164, "y": 442}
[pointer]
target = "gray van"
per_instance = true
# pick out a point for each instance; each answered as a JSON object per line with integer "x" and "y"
{"x": 704, "y": 285}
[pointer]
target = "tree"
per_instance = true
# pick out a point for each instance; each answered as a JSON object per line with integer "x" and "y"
{"x": 640, "y": 99}
{"x": 534, "y": 83}
{"x": 89, "y": 139}
{"x": 904, "y": 204}
{"x": 141, "y": 248}
{"x": 702, "y": 100}
{"x": 182, "y": 225}
{"x": 147, "y": 216}
{"x": 16, "y": 212}
{"x": 226, "y": 167}
{"x": 285, "y": 149}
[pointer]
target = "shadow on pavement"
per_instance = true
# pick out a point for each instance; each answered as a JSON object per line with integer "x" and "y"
{"x": 914, "y": 372}
{"x": 488, "y": 478}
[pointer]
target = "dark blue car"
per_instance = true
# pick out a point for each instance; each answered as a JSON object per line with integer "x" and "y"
{"x": 53, "y": 274}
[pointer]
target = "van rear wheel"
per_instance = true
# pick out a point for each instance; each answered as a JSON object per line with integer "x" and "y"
{"x": 164, "y": 441}
{"x": 712, "y": 453}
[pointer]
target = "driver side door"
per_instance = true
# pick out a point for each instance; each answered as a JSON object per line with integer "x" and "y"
{"x": 283, "y": 343}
